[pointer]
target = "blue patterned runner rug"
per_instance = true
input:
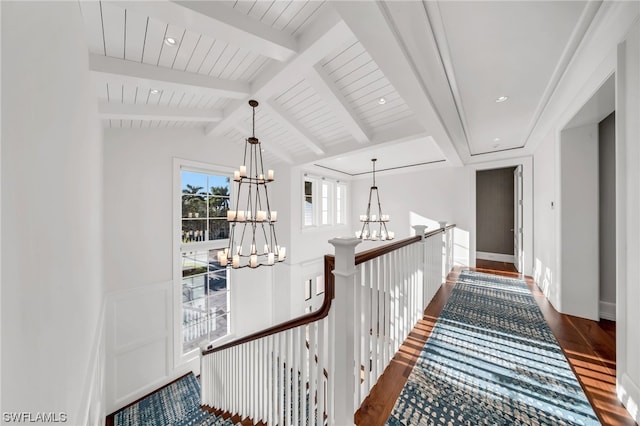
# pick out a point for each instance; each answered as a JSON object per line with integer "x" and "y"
{"x": 491, "y": 359}
{"x": 177, "y": 404}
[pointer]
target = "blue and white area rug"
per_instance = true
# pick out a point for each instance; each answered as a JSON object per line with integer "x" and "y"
{"x": 491, "y": 359}
{"x": 177, "y": 404}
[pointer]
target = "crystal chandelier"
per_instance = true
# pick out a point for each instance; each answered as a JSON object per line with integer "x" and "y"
{"x": 376, "y": 221}
{"x": 252, "y": 240}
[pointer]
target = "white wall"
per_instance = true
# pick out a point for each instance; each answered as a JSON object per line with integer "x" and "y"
{"x": 52, "y": 305}
{"x": 422, "y": 197}
{"x": 597, "y": 58}
{"x": 545, "y": 203}
{"x": 579, "y": 224}
{"x": 627, "y": 220}
{"x": 307, "y": 245}
{"x": 140, "y": 273}
{"x": 426, "y": 196}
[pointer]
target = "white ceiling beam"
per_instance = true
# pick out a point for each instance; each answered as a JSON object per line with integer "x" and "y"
{"x": 272, "y": 147}
{"x": 329, "y": 92}
{"x": 290, "y": 124}
{"x": 121, "y": 71}
{"x": 113, "y": 110}
{"x": 370, "y": 25}
{"x": 324, "y": 35}
{"x": 220, "y": 22}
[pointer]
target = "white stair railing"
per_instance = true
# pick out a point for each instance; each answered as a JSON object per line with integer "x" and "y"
{"x": 278, "y": 379}
{"x": 393, "y": 289}
{"x": 310, "y": 371}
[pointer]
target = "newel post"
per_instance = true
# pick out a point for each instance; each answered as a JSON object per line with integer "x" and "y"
{"x": 344, "y": 302}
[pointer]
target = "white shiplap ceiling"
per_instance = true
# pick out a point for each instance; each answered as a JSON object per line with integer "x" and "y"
{"x": 320, "y": 68}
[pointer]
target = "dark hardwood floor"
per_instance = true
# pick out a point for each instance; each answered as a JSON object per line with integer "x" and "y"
{"x": 588, "y": 345}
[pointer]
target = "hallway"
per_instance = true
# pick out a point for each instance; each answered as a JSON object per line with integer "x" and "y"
{"x": 589, "y": 346}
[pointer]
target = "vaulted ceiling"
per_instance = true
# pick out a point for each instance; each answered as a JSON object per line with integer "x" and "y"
{"x": 338, "y": 82}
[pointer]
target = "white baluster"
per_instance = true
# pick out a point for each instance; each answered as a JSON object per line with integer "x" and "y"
{"x": 280, "y": 374}
{"x": 288, "y": 381}
{"x": 313, "y": 372}
{"x": 320, "y": 374}
{"x": 304, "y": 369}
{"x": 375, "y": 319}
{"x": 270, "y": 380}
{"x": 366, "y": 329}
{"x": 387, "y": 309}
{"x": 332, "y": 362}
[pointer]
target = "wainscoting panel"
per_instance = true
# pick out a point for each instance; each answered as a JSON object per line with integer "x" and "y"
{"x": 139, "y": 342}
{"x": 140, "y": 317}
{"x": 150, "y": 365}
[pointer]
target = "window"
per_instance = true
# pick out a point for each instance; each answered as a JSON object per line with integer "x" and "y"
{"x": 324, "y": 202}
{"x": 324, "y": 205}
{"x": 205, "y": 199}
{"x": 341, "y": 194}
{"x": 308, "y": 203}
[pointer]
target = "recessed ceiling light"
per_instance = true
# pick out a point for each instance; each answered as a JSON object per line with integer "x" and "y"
{"x": 502, "y": 99}
{"x": 154, "y": 91}
{"x": 496, "y": 139}
{"x": 170, "y": 41}
{"x": 382, "y": 101}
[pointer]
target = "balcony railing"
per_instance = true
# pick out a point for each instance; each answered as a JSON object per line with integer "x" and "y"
{"x": 318, "y": 368}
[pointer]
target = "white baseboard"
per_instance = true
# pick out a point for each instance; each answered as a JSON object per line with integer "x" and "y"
{"x": 629, "y": 395}
{"x": 608, "y": 311}
{"x": 498, "y": 257}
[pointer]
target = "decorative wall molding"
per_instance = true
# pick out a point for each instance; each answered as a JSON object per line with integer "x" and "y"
{"x": 149, "y": 306}
{"x": 629, "y": 394}
{"x": 499, "y": 257}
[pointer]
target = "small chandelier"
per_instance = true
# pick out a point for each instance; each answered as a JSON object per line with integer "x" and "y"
{"x": 252, "y": 240}
{"x": 374, "y": 226}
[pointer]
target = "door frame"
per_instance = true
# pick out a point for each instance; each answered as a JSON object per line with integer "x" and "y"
{"x": 527, "y": 208}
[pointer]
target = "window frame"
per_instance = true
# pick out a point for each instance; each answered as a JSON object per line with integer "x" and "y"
{"x": 314, "y": 202}
{"x": 341, "y": 215}
{"x": 318, "y": 182}
{"x": 179, "y": 164}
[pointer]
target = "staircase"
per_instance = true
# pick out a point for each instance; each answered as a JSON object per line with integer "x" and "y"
{"x": 318, "y": 368}
{"x": 205, "y": 418}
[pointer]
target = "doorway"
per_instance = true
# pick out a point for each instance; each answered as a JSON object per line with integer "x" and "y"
{"x": 588, "y": 209}
{"x": 499, "y": 215}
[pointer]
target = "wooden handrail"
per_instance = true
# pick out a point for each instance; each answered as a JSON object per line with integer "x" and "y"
{"x": 329, "y": 292}
{"x": 382, "y": 250}
{"x": 323, "y": 311}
